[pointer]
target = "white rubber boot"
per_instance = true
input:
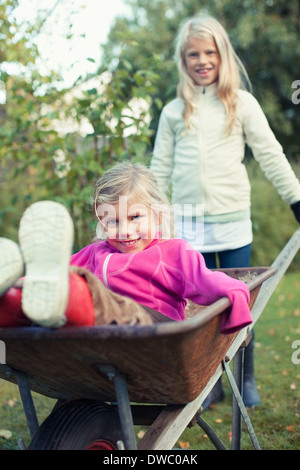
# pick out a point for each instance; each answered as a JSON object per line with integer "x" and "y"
{"x": 11, "y": 264}
{"x": 46, "y": 238}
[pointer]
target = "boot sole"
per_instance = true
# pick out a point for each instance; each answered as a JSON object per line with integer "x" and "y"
{"x": 46, "y": 238}
{"x": 11, "y": 264}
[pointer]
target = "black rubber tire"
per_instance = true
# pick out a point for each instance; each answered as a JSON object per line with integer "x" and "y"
{"x": 79, "y": 425}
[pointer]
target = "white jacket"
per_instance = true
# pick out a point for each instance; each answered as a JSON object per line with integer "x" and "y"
{"x": 205, "y": 165}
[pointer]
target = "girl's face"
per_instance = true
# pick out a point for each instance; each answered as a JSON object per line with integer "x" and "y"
{"x": 129, "y": 228}
{"x": 202, "y": 61}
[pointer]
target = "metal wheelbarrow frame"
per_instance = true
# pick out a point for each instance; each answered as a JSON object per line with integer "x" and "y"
{"x": 157, "y": 375}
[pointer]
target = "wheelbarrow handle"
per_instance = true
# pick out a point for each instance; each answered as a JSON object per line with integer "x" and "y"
{"x": 281, "y": 264}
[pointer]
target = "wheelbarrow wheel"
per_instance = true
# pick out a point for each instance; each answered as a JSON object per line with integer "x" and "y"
{"x": 79, "y": 425}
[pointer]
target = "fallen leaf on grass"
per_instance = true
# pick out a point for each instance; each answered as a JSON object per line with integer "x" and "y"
{"x": 11, "y": 402}
{"x": 212, "y": 406}
{"x": 290, "y": 428}
{"x": 218, "y": 420}
{"x": 184, "y": 445}
{"x": 5, "y": 433}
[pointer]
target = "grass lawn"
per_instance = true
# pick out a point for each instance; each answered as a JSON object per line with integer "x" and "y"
{"x": 276, "y": 421}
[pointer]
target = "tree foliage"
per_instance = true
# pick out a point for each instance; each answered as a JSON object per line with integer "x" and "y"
{"x": 55, "y": 142}
{"x": 265, "y": 35}
{"x": 26, "y": 139}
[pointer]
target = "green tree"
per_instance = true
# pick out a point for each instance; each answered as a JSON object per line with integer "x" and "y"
{"x": 27, "y": 142}
{"x": 265, "y": 35}
{"x": 118, "y": 130}
{"x": 43, "y": 152}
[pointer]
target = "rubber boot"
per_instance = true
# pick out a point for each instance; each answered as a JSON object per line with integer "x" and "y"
{"x": 51, "y": 295}
{"x": 11, "y": 269}
{"x": 46, "y": 240}
{"x": 251, "y": 397}
{"x": 79, "y": 311}
{"x": 216, "y": 395}
{"x": 11, "y": 264}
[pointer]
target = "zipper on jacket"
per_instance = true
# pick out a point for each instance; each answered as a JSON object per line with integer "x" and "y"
{"x": 104, "y": 270}
{"x": 203, "y": 146}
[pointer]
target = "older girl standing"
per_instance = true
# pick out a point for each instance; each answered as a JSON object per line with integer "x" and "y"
{"x": 200, "y": 148}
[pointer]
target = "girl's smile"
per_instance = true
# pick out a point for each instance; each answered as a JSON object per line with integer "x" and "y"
{"x": 125, "y": 245}
{"x": 130, "y": 242}
{"x": 202, "y": 61}
{"x": 129, "y": 228}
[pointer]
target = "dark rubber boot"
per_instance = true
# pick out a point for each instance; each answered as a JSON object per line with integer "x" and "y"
{"x": 251, "y": 397}
{"x": 215, "y": 396}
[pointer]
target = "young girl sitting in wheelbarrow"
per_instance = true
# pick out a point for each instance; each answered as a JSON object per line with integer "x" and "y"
{"x": 134, "y": 273}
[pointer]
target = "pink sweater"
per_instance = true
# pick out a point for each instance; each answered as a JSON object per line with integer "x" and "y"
{"x": 163, "y": 276}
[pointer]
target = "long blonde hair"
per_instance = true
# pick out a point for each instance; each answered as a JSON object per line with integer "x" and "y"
{"x": 137, "y": 183}
{"x": 232, "y": 73}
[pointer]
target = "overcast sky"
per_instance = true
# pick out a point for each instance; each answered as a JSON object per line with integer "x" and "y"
{"x": 91, "y": 20}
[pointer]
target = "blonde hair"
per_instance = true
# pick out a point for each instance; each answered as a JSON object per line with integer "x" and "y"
{"x": 138, "y": 184}
{"x": 232, "y": 73}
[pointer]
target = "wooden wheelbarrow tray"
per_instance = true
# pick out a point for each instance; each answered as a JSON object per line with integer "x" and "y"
{"x": 174, "y": 364}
